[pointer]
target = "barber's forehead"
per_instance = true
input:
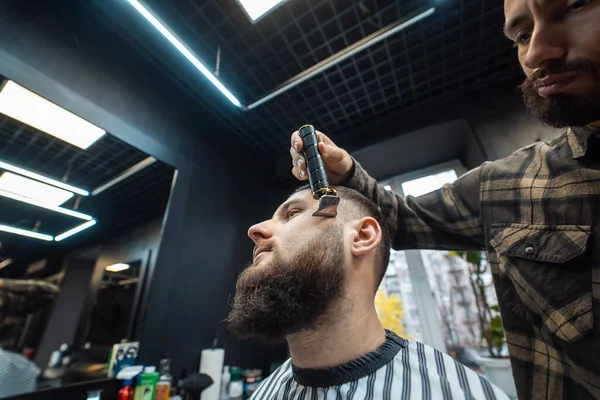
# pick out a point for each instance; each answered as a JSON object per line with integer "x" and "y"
{"x": 511, "y": 5}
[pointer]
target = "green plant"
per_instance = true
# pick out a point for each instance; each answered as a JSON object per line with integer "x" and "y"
{"x": 490, "y": 323}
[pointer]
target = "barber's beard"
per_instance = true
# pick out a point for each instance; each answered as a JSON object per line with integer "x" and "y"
{"x": 562, "y": 109}
{"x": 275, "y": 300}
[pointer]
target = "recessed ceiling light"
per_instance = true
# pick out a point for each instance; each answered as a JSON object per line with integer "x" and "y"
{"x": 34, "y": 190}
{"x": 33, "y": 110}
{"x": 117, "y": 267}
{"x": 22, "y": 171}
{"x": 257, "y": 8}
{"x": 24, "y": 232}
{"x": 61, "y": 210}
{"x": 75, "y": 230}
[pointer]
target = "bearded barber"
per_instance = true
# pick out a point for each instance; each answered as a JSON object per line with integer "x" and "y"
{"x": 536, "y": 212}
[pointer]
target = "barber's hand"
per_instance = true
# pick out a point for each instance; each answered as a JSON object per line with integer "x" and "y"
{"x": 337, "y": 161}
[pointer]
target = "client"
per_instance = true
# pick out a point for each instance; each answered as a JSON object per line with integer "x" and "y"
{"x": 312, "y": 282}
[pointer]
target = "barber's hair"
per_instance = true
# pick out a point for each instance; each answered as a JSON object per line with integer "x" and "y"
{"x": 352, "y": 203}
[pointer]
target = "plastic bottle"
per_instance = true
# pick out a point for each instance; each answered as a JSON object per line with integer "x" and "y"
{"x": 146, "y": 384}
{"x": 225, "y": 380}
{"x": 163, "y": 386}
{"x": 236, "y": 387}
{"x": 126, "y": 392}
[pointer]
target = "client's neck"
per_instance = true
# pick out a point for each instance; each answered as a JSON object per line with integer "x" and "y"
{"x": 352, "y": 333}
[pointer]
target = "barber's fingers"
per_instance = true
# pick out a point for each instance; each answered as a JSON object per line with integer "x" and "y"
{"x": 298, "y": 163}
{"x": 299, "y": 174}
{"x": 336, "y": 160}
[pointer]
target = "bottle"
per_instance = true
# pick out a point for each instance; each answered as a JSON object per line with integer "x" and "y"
{"x": 165, "y": 380}
{"x": 126, "y": 392}
{"x": 236, "y": 386}
{"x": 251, "y": 381}
{"x": 225, "y": 380}
{"x": 146, "y": 384}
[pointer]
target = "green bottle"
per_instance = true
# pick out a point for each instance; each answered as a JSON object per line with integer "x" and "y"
{"x": 146, "y": 384}
{"x": 236, "y": 387}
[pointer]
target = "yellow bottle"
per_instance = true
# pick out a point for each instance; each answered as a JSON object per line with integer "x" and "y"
{"x": 163, "y": 386}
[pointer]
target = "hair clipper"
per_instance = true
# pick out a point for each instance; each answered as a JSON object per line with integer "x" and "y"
{"x": 317, "y": 176}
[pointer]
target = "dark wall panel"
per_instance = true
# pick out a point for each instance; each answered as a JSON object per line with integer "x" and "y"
{"x": 64, "y": 319}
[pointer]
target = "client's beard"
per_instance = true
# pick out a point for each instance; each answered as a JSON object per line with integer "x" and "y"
{"x": 273, "y": 301}
{"x": 562, "y": 110}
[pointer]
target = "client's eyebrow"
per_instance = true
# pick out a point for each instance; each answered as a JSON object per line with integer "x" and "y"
{"x": 286, "y": 206}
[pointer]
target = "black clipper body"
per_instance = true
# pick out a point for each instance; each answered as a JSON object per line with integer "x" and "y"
{"x": 317, "y": 176}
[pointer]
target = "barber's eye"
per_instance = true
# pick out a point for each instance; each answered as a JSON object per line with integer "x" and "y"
{"x": 522, "y": 38}
{"x": 577, "y": 5}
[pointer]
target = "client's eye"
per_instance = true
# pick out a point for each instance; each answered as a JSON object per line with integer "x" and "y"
{"x": 292, "y": 213}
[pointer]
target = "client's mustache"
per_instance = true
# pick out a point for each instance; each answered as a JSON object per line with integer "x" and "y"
{"x": 560, "y": 67}
{"x": 265, "y": 243}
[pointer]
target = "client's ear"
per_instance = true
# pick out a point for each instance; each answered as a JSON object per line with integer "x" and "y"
{"x": 366, "y": 236}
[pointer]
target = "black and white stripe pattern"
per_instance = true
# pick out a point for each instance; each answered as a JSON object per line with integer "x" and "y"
{"x": 17, "y": 374}
{"x": 418, "y": 372}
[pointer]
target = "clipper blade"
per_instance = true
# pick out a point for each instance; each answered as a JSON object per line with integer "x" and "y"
{"x": 327, "y": 206}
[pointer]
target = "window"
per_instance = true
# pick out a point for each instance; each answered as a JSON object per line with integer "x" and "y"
{"x": 427, "y": 184}
{"x": 446, "y": 289}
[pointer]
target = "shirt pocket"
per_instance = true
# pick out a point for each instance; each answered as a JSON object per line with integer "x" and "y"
{"x": 549, "y": 268}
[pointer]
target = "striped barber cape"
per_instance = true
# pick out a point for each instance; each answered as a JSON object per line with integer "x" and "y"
{"x": 399, "y": 369}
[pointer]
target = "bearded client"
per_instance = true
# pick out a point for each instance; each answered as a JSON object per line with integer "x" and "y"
{"x": 313, "y": 283}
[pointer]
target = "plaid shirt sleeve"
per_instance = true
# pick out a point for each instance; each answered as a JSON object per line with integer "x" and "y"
{"x": 446, "y": 219}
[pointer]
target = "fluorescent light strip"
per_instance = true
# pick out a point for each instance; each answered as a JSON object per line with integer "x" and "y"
{"x": 61, "y": 210}
{"x": 183, "y": 50}
{"x": 75, "y": 230}
{"x": 34, "y": 110}
{"x": 23, "y": 232}
{"x": 41, "y": 178}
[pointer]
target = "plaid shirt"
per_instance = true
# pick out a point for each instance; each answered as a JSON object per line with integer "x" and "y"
{"x": 537, "y": 214}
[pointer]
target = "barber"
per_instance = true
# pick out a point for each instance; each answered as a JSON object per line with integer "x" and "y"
{"x": 536, "y": 213}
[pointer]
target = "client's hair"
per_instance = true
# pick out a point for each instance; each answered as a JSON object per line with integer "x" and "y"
{"x": 359, "y": 206}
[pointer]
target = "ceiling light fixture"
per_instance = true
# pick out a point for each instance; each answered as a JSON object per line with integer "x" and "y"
{"x": 34, "y": 110}
{"x": 61, "y": 210}
{"x": 117, "y": 267}
{"x": 24, "y": 232}
{"x": 38, "y": 191}
{"x": 75, "y": 230}
{"x": 22, "y": 171}
{"x": 257, "y": 8}
{"x": 183, "y": 50}
{"x": 6, "y": 263}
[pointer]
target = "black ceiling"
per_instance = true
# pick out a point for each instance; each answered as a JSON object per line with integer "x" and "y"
{"x": 130, "y": 202}
{"x": 459, "y": 49}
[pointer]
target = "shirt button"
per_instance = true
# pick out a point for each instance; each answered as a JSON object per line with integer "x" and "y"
{"x": 529, "y": 250}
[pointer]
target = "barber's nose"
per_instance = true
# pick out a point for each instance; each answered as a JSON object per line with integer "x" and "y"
{"x": 260, "y": 231}
{"x": 545, "y": 45}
